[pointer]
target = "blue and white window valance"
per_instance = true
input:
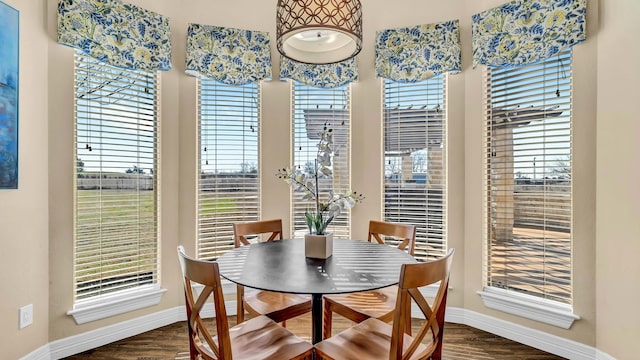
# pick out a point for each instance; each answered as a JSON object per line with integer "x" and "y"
{"x": 417, "y": 53}
{"x": 527, "y": 31}
{"x": 230, "y": 56}
{"x": 322, "y": 76}
{"x": 116, "y": 33}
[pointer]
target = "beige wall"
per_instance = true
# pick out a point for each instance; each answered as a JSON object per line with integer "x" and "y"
{"x": 24, "y": 233}
{"x": 25, "y": 223}
{"x": 618, "y": 171}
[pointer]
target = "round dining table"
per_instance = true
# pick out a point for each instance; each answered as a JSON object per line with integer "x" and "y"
{"x": 281, "y": 266}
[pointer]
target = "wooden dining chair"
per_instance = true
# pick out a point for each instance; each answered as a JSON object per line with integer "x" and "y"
{"x": 258, "y": 338}
{"x": 277, "y": 306}
{"x": 374, "y": 339}
{"x": 379, "y": 304}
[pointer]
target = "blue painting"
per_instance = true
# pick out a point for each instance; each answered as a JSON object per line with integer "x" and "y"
{"x": 9, "y": 39}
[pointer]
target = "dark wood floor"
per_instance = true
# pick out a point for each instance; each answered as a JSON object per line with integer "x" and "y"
{"x": 170, "y": 343}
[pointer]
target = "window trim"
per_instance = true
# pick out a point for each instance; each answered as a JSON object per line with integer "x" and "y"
{"x": 214, "y": 121}
{"x": 528, "y": 306}
{"x": 531, "y": 307}
{"x": 104, "y": 306}
{"x": 397, "y": 89}
{"x": 296, "y": 211}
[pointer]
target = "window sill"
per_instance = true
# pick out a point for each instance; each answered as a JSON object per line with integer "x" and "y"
{"x": 101, "y": 307}
{"x": 530, "y": 307}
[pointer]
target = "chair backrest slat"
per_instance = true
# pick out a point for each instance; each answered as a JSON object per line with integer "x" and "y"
{"x": 405, "y": 233}
{"x": 242, "y": 229}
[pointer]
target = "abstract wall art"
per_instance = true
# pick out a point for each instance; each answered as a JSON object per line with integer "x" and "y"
{"x": 9, "y": 59}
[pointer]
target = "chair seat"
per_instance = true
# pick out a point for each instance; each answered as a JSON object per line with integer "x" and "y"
{"x": 277, "y": 306}
{"x": 378, "y": 304}
{"x": 370, "y": 339}
{"x": 261, "y": 338}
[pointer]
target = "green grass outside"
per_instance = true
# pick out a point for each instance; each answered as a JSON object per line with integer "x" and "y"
{"x": 114, "y": 214}
{"x": 215, "y": 205}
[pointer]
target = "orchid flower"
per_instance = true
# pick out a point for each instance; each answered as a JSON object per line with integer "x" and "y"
{"x": 325, "y": 211}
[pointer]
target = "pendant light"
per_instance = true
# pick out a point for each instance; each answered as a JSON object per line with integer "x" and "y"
{"x": 319, "y": 31}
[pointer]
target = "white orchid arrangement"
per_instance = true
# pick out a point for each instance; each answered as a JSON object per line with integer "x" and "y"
{"x": 325, "y": 211}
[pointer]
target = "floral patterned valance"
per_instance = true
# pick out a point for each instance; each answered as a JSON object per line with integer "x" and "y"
{"x": 323, "y": 76}
{"x": 231, "y": 56}
{"x": 527, "y": 31}
{"x": 417, "y": 53}
{"x": 116, "y": 33}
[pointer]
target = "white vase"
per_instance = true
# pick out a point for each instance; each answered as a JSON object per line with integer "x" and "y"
{"x": 318, "y": 246}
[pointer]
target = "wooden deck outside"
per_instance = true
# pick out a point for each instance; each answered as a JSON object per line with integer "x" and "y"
{"x": 520, "y": 263}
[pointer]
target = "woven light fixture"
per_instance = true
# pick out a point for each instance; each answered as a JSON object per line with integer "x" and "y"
{"x": 319, "y": 31}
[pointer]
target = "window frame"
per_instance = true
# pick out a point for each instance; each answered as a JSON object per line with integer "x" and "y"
{"x": 146, "y": 293}
{"x": 410, "y": 101}
{"x": 341, "y": 127}
{"x": 514, "y": 301}
{"x": 250, "y": 93}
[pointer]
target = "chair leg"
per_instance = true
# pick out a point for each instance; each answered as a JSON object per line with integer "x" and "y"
{"x": 240, "y": 305}
{"x": 327, "y": 320}
{"x": 193, "y": 352}
{"x": 437, "y": 352}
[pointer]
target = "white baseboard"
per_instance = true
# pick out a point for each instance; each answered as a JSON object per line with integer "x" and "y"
{"x": 601, "y": 355}
{"x": 42, "y": 353}
{"x": 108, "y": 334}
{"x": 538, "y": 339}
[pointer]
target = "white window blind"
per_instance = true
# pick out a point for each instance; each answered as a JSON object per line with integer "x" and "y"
{"x": 229, "y": 187}
{"x": 313, "y": 108}
{"x": 415, "y": 160}
{"x": 116, "y": 147}
{"x": 528, "y": 178}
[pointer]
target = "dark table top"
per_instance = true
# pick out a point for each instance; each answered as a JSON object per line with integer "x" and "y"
{"x": 282, "y": 267}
